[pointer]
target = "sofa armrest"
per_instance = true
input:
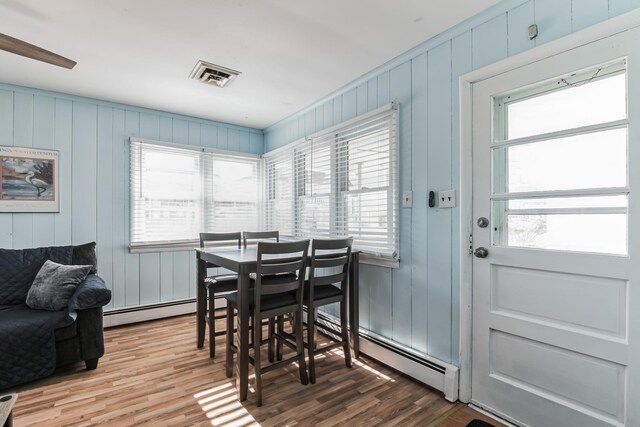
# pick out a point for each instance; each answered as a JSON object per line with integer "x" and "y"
{"x": 91, "y": 293}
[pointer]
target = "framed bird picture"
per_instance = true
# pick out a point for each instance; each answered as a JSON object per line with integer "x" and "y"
{"x": 29, "y": 180}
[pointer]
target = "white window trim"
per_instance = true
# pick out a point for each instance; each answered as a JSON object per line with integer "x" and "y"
{"x": 186, "y": 244}
{"x": 365, "y": 258}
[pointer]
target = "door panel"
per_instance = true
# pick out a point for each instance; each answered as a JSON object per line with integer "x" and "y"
{"x": 556, "y": 304}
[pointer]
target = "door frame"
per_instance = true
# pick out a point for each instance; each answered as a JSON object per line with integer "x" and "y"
{"x": 599, "y": 31}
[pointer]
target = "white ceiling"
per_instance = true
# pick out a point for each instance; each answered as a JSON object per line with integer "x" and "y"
{"x": 290, "y": 52}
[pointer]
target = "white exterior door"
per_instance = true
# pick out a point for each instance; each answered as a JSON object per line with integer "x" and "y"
{"x": 556, "y": 294}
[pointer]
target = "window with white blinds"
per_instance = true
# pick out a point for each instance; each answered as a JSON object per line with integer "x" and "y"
{"x": 339, "y": 182}
{"x": 177, "y": 193}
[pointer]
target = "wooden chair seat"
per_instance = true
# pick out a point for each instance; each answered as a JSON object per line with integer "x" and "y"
{"x": 322, "y": 292}
{"x": 267, "y": 302}
{"x": 222, "y": 283}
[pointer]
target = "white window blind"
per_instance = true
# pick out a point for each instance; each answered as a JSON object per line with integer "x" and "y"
{"x": 279, "y": 184}
{"x": 340, "y": 182}
{"x": 176, "y": 193}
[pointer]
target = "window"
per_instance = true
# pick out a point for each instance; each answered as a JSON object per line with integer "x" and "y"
{"x": 340, "y": 182}
{"x": 575, "y": 128}
{"x": 176, "y": 193}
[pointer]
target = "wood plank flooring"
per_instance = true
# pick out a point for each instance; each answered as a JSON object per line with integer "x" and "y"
{"x": 153, "y": 374}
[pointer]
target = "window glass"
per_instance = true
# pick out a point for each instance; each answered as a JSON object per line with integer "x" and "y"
{"x": 343, "y": 183}
{"x": 178, "y": 193}
{"x": 566, "y": 193}
{"x": 599, "y": 101}
{"x": 591, "y": 160}
{"x": 600, "y": 233}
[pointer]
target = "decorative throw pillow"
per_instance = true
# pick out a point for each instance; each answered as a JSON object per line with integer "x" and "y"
{"x": 86, "y": 255}
{"x": 55, "y": 284}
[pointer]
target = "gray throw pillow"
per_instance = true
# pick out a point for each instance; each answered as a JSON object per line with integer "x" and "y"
{"x": 55, "y": 284}
{"x": 86, "y": 255}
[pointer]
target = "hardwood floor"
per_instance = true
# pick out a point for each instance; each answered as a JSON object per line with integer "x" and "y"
{"x": 153, "y": 374}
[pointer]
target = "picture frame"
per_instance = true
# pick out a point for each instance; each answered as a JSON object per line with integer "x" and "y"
{"x": 29, "y": 179}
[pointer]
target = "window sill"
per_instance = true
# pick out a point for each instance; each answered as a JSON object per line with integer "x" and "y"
{"x": 164, "y": 247}
{"x": 365, "y": 258}
{"x": 379, "y": 261}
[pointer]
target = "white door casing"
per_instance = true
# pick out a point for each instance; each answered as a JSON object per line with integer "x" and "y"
{"x": 555, "y": 333}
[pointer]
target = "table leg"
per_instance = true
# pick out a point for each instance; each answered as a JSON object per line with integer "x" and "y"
{"x": 354, "y": 305}
{"x": 242, "y": 335}
{"x": 201, "y": 301}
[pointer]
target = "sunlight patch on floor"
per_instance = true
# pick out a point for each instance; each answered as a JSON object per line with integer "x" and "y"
{"x": 221, "y": 406}
{"x": 364, "y": 366}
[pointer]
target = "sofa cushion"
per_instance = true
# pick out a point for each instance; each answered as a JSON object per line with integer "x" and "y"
{"x": 86, "y": 255}
{"x": 91, "y": 293}
{"x": 28, "y": 343}
{"x": 55, "y": 284}
{"x": 18, "y": 268}
{"x": 66, "y": 332}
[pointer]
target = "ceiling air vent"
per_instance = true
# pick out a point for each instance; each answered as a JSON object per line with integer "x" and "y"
{"x": 213, "y": 74}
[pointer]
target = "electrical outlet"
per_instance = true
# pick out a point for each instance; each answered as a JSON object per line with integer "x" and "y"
{"x": 407, "y": 199}
{"x": 447, "y": 199}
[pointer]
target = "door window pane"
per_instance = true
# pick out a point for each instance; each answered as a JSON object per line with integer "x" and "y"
{"x": 599, "y": 101}
{"x": 587, "y": 224}
{"x": 599, "y": 233}
{"x": 594, "y": 160}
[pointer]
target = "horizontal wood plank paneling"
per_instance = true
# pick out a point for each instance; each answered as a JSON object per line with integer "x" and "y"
{"x": 92, "y": 137}
{"x": 417, "y": 305}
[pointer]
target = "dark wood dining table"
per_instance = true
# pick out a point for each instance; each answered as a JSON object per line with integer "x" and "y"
{"x": 243, "y": 261}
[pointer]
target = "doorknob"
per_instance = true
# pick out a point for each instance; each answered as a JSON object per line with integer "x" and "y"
{"x": 481, "y": 252}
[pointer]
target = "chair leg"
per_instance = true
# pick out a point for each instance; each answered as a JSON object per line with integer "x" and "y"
{"x": 229, "y": 360}
{"x": 300, "y": 347}
{"x": 279, "y": 345}
{"x": 271, "y": 339}
{"x": 212, "y": 324}
{"x": 345, "y": 332}
{"x": 257, "y": 338}
{"x": 313, "y": 324}
{"x": 311, "y": 345}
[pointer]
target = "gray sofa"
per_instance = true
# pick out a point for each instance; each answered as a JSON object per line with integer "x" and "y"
{"x": 34, "y": 342}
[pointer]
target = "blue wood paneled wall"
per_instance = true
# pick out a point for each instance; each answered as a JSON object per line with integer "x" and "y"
{"x": 417, "y": 304}
{"x": 92, "y": 137}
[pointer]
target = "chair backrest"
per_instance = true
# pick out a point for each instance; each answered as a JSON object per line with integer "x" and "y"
{"x": 252, "y": 237}
{"x": 274, "y": 261}
{"x": 219, "y": 239}
{"x": 329, "y": 253}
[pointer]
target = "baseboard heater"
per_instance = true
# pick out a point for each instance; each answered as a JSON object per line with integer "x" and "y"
{"x": 437, "y": 374}
{"x": 143, "y": 313}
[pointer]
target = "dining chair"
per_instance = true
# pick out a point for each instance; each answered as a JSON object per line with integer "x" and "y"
{"x": 278, "y": 290}
{"x": 253, "y": 237}
{"x": 321, "y": 289}
{"x": 219, "y": 284}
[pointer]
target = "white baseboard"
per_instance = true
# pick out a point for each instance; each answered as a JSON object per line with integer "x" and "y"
{"x": 440, "y": 375}
{"x": 117, "y": 318}
{"x": 145, "y": 313}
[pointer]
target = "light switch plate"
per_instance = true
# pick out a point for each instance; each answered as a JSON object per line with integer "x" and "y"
{"x": 447, "y": 199}
{"x": 407, "y": 199}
